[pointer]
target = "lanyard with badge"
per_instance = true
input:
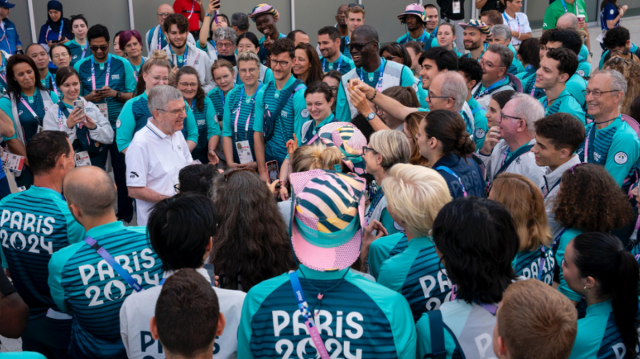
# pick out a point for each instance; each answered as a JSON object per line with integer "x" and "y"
{"x": 243, "y": 147}
{"x": 215, "y": 48}
{"x": 564, "y": 5}
{"x": 379, "y": 86}
{"x": 59, "y": 34}
{"x": 185, "y": 57}
{"x": 308, "y": 316}
{"x": 324, "y": 64}
{"x": 504, "y": 14}
{"x": 53, "y": 84}
{"x": 455, "y": 7}
{"x": 33, "y": 113}
{"x": 455, "y": 175}
{"x": 104, "y": 110}
{"x": 490, "y": 88}
{"x": 160, "y": 34}
{"x": 84, "y": 49}
{"x": 193, "y": 7}
{"x": 81, "y": 157}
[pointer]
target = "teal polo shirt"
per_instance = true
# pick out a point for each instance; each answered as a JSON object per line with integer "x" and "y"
{"x": 357, "y": 317}
{"x": 417, "y": 274}
{"x": 563, "y": 241}
{"x": 566, "y": 103}
{"x": 38, "y": 224}
{"x": 83, "y": 284}
{"x": 343, "y": 64}
{"x": 384, "y": 248}
{"x": 287, "y": 122}
{"x": 598, "y": 334}
{"x": 78, "y": 52}
{"x": 121, "y": 78}
{"x": 481, "y": 125}
{"x": 246, "y": 118}
{"x": 29, "y": 123}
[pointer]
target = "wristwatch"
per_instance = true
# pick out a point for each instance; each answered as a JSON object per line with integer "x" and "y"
{"x": 371, "y": 116}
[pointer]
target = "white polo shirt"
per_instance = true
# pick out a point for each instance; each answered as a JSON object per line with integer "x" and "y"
{"x": 154, "y": 160}
{"x": 519, "y": 24}
{"x": 138, "y": 308}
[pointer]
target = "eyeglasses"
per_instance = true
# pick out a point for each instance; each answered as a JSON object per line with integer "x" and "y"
{"x": 188, "y": 84}
{"x": 224, "y": 45}
{"x": 280, "y": 63}
{"x": 62, "y": 55}
{"x": 177, "y": 112}
{"x": 596, "y": 93}
{"x": 574, "y": 167}
{"x": 102, "y": 48}
{"x": 231, "y": 173}
{"x": 430, "y": 96}
{"x": 358, "y": 47}
{"x": 334, "y": 89}
{"x": 164, "y": 14}
{"x": 176, "y": 187}
{"x": 248, "y": 71}
{"x": 356, "y": 5}
{"x": 488, "y": 64}
{"x": 366, "y": 149}
{"x": 503, "y": 116}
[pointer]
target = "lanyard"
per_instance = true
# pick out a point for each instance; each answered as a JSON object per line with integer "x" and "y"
{"x": 490, "y": 88}
{"x": 193, "y": 6}
{"x": 586, "y": 143}
{"x": 450, "y": 171}
{"x": 84, "y": 49}
{"x": 135, "y": 70}
{"x": 5, "y": 38}
{"x": 113, "y": 263}
{"x": 246, "y": 127}
{"x": 565, "y": 7}
{"x": 504, "y": 14}
{"x": 215, "y": 48}
{"x": 222, "y": 97}
{"x": 491, "y": 308}
{"x": 3, "y": 69}
{"x": 372, "y": 206}
{"x": 33, "y": 113}
{"x": 59, "y": 34}
{"x": 60, "y": 117}
{"x": 541, "y": 262}
{"x": 384, "y": 65}
{"x": 185, "y": 57}
{"x": 308, "y": 317}
{"x": 193, "y": 104}
{"x": 93, "y": 73}
{"x": 53, "y": 84}
{"x": 324, "y": 64}
{"x": 557, "y": 239}
{"x": 159, "y": 38}
{"x": 545, "y": 191}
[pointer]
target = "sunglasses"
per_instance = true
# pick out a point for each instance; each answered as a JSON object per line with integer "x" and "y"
{"x": 102, "y": 48}
{"x": 356, "y": 5}
{"x": 358, "y": 47}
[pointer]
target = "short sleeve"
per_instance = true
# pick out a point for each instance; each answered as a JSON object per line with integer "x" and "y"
{"x": 125, "y": 125}
{"x": 137, "y": 159}
{"x": 192, "y": 127}
{"x": 343, "y": 112}
{"x": 524, "y": 20}
{"x": 610, "y": 11}
{"x": 258, "y": 123}
{"x": 550, "y": 18}
{"x": 300, "y": 110}
{"x": 130, "y": 80}
{"x": 226, "y": 119}
{"x": 213, "y": 127}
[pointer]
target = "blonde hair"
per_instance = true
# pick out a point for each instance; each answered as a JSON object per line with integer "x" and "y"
{"x": 355, "y": 10}
{"x": 536, "y": 318}
{"x": 524, "y": 201}
{"x": 157, "y": 58}
{"x": 315, "y": 156}
{"x": 247, "y": 56}
{"x": 415, "y": 195}
{"x": 392, "y": 145}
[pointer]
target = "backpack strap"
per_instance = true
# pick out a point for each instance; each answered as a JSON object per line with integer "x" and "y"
{"x": 436, "y": 328}
{"x": 270, "y": 117}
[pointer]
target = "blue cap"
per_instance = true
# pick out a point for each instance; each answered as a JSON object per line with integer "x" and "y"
{"x": 6, "y": 4}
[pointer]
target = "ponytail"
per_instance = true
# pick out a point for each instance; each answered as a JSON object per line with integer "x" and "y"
{"x": 316, "y": 156}
{"x": 602, "y": 256}
{"x": 157, "y": 58}
{"x": 449, "y": 128}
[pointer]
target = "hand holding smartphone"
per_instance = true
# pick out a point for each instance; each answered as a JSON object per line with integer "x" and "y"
{"x": 272, "y": 170}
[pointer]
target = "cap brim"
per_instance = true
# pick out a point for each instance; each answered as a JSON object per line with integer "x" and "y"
{"x": 401, "y": 17}
{"x": 326, "y": 259}
{"x": 8, "y": 5}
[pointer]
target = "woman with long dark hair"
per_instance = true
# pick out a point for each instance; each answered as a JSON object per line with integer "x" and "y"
{"x": 249, "y": 42}
{"x": 306, "y": 64}
{"x": 188, "y": 82}
{"x": 443, "y": 140}
{"x": 87, "y": 128}
{"x": 396, "y": 53}
{"x": 135, "y": 112}
{"x": 25, "y": 104}
{"x": 600, "y": 269}
{"x": 476, "y": 241}
{"x": 529, "y": 55}
{"x": 589, "y": 200}
{"x": 252, "y": 244}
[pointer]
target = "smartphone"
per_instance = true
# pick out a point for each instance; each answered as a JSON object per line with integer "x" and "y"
{"x": 79, "y": 104}
{"x": 211, "y": 272}
{"x": 272, "y": 170}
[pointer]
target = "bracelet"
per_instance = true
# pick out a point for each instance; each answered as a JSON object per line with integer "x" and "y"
{"x": 212, "y": 150}
{"x": 519, "y": 36}
{"x": 374, "y": 96}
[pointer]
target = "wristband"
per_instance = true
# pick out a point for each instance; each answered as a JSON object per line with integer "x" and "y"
{"x": 207, "y": 14}
{"x": 374, "y": 96}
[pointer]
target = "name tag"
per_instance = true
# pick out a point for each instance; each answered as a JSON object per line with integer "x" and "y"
{"x": 12, "y": 162}
{"x": 104, "y": 109}
{"x": 244, "y": 152}
{"x": 82, "y": 159}
{"x": 456, "y": 7}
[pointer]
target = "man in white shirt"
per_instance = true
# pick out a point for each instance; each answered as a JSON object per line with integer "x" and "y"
{"x": 517, "y": 21}
{"x": 181, "y": 232}
{"x": 156, "y": 38}
{"x": 512, "y": 153}
{"x": 157, "y": 152}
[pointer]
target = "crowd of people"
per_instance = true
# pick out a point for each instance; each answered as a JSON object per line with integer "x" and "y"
{"x": 466, "y": 191}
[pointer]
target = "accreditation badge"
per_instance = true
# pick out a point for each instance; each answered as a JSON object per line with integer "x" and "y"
{"x": 244, "y": 152}
{"x": 82, "y": 159}
{"x": 104, "y": 109}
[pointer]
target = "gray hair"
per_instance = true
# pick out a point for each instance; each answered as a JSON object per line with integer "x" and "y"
{"x": 573, "y": 19}
{"x": 159, "y": 96}
{"x": 248, "y": 56}
{"x": 506, "y": 56}
{"x": 240, "y": 20}
{"x": 618, "y": 82}
{"x": 501, "y": 31}
{"x": 454, "y": 86}
{"x": 226, "y": 33}
{"x": 528, "y": 108}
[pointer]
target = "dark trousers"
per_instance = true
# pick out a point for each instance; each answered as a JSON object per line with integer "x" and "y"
{"x": 125, "y": 203}
{"x": 47, "y": 336}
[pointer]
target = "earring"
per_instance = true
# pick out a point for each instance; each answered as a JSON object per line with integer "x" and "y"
{"x": 586, "y": 289}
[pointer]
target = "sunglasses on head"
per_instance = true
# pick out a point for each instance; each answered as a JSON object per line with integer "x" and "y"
{"x": 356, "y": 5}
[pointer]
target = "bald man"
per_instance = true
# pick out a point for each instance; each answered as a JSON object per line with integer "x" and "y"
{"x": 85, "y": 280}
{"x": 584, "y": 66}
{"x": 157, "y": 33}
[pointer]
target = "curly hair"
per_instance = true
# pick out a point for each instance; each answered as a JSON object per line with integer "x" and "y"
{"x": 631, "y": 72}
{"x": 252, "y": 244}
{"x": 411, "y": 125}
{"x": 590, "y": 200}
